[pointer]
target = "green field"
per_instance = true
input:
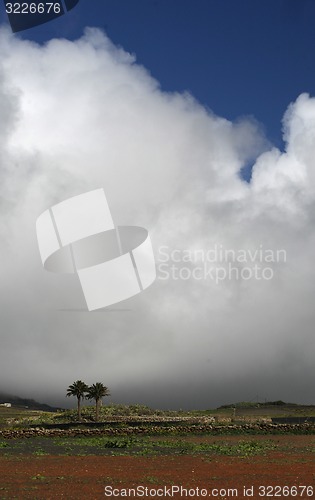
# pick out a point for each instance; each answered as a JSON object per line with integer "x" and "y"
{"x": 18, "y": 417}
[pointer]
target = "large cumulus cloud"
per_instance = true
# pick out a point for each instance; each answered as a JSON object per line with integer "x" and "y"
{"x": 80, "y": 115}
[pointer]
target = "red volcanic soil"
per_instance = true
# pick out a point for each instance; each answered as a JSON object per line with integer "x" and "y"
{"x": 85, "y": 477}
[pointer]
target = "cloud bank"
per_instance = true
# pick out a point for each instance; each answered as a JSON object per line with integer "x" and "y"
{"x": 80, "y": 115}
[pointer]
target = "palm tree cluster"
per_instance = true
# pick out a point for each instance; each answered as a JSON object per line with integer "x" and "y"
{"x": 81, "y": 391}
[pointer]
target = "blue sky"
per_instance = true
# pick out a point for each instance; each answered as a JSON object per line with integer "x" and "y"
{"x": 245, "y": 57}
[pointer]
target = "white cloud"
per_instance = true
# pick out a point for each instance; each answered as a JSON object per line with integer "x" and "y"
{"x": 80, "y": 115}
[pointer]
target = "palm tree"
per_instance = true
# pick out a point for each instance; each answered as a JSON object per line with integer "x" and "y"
{"x": 78, "y": 389}
{"x": 97, "y": 391}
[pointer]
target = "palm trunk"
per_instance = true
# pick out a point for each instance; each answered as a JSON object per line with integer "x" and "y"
{"x": 97, "y": 408}
{"x": 79, "y": 409}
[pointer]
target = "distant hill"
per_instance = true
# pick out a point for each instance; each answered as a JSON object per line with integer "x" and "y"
{"x": 252, "y": 404}
{"x": 31, "y": 404}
